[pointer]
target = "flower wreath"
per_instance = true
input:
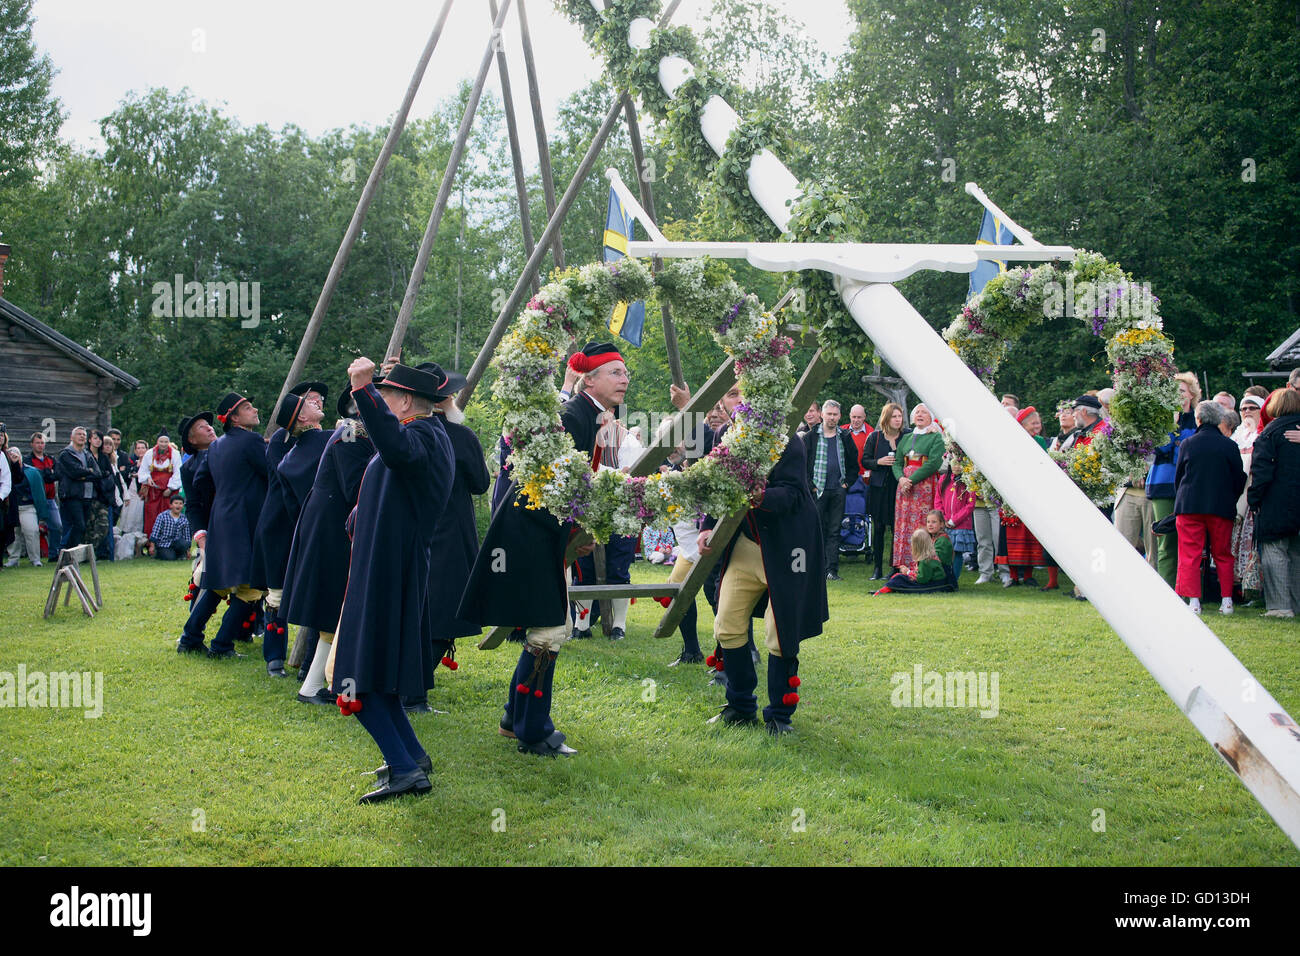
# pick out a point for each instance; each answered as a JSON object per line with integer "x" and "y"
{"x": 575, "y": 305}
{"x": 1116, "y": 309}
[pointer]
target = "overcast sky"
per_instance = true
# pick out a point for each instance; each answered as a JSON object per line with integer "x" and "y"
{"x": 321, "y": 64}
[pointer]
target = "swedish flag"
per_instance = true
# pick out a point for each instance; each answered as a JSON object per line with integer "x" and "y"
{"x": 992, "y": 233}
{"x": 628, "y": 320}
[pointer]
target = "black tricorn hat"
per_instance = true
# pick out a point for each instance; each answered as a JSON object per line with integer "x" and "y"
{"x": 183, "y": 429}
{"x": 453, "y": 381}
{"x": 420, "y": 381}
{"x": 228, "y": 404}
{"x": 287, "y": 412}
{"x": 302, "y": 388}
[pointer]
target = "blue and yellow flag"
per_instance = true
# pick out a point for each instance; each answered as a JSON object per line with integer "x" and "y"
{"x": 992, "y": 233}
{"x": 628, "y": 320}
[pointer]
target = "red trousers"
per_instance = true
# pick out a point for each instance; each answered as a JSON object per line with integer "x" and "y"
{"x": 1192, "y": 533}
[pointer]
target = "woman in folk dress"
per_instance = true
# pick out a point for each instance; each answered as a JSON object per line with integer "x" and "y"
{"x": 916, "y": 467}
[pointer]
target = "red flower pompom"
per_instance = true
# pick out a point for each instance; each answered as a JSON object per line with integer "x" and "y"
{"x": 521, "y": 688}
{"x": 795, "y": 681}
{"x": 537, "y": 693}
{"x": 246, "y": 625}
{"x": 790, "y": 699}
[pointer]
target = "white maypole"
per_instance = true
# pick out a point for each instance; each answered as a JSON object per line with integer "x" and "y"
{"x": 1247, "y": 727}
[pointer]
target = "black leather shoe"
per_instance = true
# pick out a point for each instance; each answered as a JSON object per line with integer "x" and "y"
{"x": 224, "y": 655}
{"x": 877, "y": 577}
{"x": 581, "y": 635}
{"x": 1029, "y": 582}
{"x": 191, "y": 648}
{"x": 778, "y": 727}
{"x": 832, "y": 576}
{"x": 244, "y": 637}
{"x": 414, "y": 782}
{"x": 617, "y": 634}
{"x": 688, "y": 657}
{"x": 276, "y": 668}
{"x": 302, "y": 673}
{"x": 506, "y": 729}
{"x": 734, "y": 718}
{"x": 552, "y": 746}
{"x": 324, "y": 697}
{"x": 425, "y": 765}
{"x": 417, "y": 707}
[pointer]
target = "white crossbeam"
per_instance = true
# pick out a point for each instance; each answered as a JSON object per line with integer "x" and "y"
{"x": 864, "y": 261}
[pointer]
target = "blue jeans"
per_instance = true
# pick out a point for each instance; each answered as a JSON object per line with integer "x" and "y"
{"x": 54, "y": 528}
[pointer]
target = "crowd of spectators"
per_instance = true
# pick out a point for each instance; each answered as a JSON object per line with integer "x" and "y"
{"x": 91, "y": 492}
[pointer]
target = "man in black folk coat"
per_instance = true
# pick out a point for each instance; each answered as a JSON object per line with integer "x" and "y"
{"x": 773, "y": 567}
{"x": 317, "y": 574}
{"x": 382, "y": 650}
{"x": 591, "y": 417}
{"x": 519, "y": 581}
{"x": 234, "y": 475}
{"x": 197, "y": 435}
{"x": 455, "y": 538}
{"x": 299, "y": 417}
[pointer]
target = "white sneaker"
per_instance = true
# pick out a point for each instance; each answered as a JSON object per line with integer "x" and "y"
{"x": 1226, "y": 606}
{"x": 1194, "y": 605}
{"x": 37, "y": 564}
{"x": 984, "y": 579}
{"x": 12, "y": 564}
{"x": 1276, "y": 613}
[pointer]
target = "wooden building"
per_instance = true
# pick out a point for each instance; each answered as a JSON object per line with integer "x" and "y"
{"x": 49, "y": 383}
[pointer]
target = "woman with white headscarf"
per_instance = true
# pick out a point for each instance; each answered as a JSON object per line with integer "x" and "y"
{"x": 916, "y": 466}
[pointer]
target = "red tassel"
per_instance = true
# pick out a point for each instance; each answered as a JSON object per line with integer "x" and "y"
{"x": 537, "y": 693}
{"x": 795, "y": 681}
{"x": 188, "y": 597}
{"x": 634, "y": 600}
{"x": 721, "y": 665}
{"x": 448, "y": 663}
{"x": 521, "y": 688}
{"x": 583, "y": 613}
{"x": 711, "y": 660}
{"x": 246, "y": 625}
{"x": 790, "y": 699}
{"x": 665, "y": 600}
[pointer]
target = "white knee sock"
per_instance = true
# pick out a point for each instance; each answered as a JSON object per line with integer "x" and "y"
{"x": 619, "y": 609}
{"x": 582, "y": 615}
{"x": 316, "y": 672}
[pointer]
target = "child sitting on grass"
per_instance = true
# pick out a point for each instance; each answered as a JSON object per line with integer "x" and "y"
{"x": 930, "y": 575}
{"x": 943, "y": 547}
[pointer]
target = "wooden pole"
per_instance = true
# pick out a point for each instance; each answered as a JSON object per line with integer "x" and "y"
{"x": 539, "y": 127}
{"x": 534, "y": 261}
{"x": 444, "y": 191}
{"x": 648, "y": 204}
{"x": 358, "y": 217}
{"x": 516, "y": 158}
{"x": 553, "y": 224}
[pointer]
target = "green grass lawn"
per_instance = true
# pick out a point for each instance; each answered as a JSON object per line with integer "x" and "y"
{"x": 208, "y": 762}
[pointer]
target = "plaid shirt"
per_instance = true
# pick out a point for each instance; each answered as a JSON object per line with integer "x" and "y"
{"x": 168, "y": 530}
{"x": 819, "y": 461}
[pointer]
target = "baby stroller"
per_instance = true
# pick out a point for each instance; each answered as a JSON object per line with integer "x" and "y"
{"x": 854, "y": 527}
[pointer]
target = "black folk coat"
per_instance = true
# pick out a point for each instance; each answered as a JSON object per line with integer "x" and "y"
{"x": 234, "y": 474}
{"x": 286, "y": 491}
{"x": 789, "y": 534}
{"x": 382, "y": 645}
{"x": 455, "y": 539}
{"x": 268, "y": 561}
{"x": 317, "y": 572}
{"x": 198, "y": 501}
